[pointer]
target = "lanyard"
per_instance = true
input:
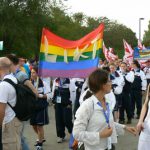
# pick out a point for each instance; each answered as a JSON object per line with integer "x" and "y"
{"x": 105, "y": 112}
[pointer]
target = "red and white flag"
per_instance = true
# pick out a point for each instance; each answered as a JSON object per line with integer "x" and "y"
{"x": 111, "y": 50}
{"x": 142, "y": 63}
{"x": 128, "y": 57}
{"x": 140, "y": 46}
{"x": 106, "y": 53}
{"x": 109, "y": 54}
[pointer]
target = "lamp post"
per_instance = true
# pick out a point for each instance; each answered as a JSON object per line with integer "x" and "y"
{"x": 140, "y": 28}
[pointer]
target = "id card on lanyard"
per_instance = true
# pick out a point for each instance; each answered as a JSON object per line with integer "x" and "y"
{"x": 107, "y": 116}
{"x": 58, "y": 98}
{"x": 106, "y": 113}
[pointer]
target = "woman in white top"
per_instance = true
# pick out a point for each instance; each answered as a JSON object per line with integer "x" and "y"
{"x": 143, "y": 125}
{"x": 94, "y": 124}
{"x": 110, "y": 98}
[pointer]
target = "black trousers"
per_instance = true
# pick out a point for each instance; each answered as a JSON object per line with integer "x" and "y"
{"x": 77, "y": 104}
{"x": 126, "y": 105}
{"x": 63, "y": 116}
{"x": 136, "y": 99}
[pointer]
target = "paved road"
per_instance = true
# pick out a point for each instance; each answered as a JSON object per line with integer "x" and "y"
{"x": 127, "y": 142}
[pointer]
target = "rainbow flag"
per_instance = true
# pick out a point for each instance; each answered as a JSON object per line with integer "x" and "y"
{"x": 64, "y": 58}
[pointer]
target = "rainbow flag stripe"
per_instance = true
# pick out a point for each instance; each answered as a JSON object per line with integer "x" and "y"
{"x": 64, "y": 58}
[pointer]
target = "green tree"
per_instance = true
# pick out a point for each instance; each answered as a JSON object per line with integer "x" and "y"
{"x": 22, "y": 22}
{"x": 146, "y": 38}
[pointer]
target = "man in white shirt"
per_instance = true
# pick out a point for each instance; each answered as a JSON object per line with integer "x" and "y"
{"x": 11, "y": 126}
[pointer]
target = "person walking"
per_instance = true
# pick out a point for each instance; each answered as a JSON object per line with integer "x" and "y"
{"x": 39, "y": 119}
{"x": 126, "y": 94}
{"x": 23, "y": 78}
{"x": 138, "y": 88}
{"x": 63, "y": 107}
{"x": 11, "y": 126}
{"x": 94, "y": 124}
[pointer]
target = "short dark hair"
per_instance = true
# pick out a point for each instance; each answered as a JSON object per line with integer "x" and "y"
{"x": 97, "y": 79}
{"x": 124, "y": 63}
{"x": 106, "y": 68}
{"x": 13, "y": 58}
{"x": 95, "y": 82}
{"x": 135, "y": 62}
{"x": 35, "y": 68}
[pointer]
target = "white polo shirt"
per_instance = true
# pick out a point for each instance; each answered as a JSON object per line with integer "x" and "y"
{"x": 8, "y": 94}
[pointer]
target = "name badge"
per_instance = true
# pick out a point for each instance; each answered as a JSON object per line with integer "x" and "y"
{"x": 58, "y": 100}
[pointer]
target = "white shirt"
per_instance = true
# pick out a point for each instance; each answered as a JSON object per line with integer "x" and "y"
{"x": 73, "y": 89}
{"x": 47, "y": 91}
{"x": 129, "y": 76}
{"x": 119, "y": 81}
{"x": 90, "y": 121}
{"x": 143, "y": 78}
{"x": 147, "y": 72}
{"x": 110, "y": 98}
{"x": 8, "y": 94}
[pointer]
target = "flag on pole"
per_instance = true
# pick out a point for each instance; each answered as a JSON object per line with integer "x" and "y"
{"x": 128, "y": 57}
{"x": 109, "y": 54}
{"x": 111, "y": 50}
{"x": 64, "y": 58}
{"x": 106, "y": 53}
{"x": 1, "y": 45}
{"x": 140, "y": 46}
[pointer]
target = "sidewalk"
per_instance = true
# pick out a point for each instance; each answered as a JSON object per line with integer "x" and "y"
{"x": 127, "y": 142}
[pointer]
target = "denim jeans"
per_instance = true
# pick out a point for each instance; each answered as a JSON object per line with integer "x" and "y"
{"x": 23, "y": 139}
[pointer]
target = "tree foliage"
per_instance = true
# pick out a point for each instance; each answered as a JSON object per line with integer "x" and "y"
{"x": 146, "y": 38}
{"x": 22, "y": 22}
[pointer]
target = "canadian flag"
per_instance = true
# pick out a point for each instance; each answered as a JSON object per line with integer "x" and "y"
{"x": 128, "y": 57}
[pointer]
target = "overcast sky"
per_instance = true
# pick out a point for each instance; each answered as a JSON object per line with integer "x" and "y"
{"x": 126, "y": 12}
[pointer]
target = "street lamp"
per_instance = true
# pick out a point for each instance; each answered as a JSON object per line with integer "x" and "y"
{"x": 140, "y": 28}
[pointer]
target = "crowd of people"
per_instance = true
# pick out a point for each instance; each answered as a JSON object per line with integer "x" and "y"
{"x": 95, "y": 110}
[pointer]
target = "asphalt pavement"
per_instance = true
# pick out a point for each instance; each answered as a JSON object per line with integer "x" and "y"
{"x": 126, "y": 142}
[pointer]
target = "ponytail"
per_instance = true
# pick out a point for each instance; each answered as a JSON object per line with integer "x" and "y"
{"x": 88, "y": 94}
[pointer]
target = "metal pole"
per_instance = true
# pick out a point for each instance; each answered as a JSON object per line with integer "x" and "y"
{"x": 140, "y": 28}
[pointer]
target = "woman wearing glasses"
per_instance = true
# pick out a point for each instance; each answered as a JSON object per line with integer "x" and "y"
{"x": 94, "y": 124}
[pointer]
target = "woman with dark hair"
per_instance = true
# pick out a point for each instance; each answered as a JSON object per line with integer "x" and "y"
{"x": 138, "y": 88}
{"x": 94, "y": 124}
{"x": 39, "y": 119}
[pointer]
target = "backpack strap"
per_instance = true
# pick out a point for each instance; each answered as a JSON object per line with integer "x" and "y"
{"x": 14, "y": 85}
{"x": 10, "y": 82}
